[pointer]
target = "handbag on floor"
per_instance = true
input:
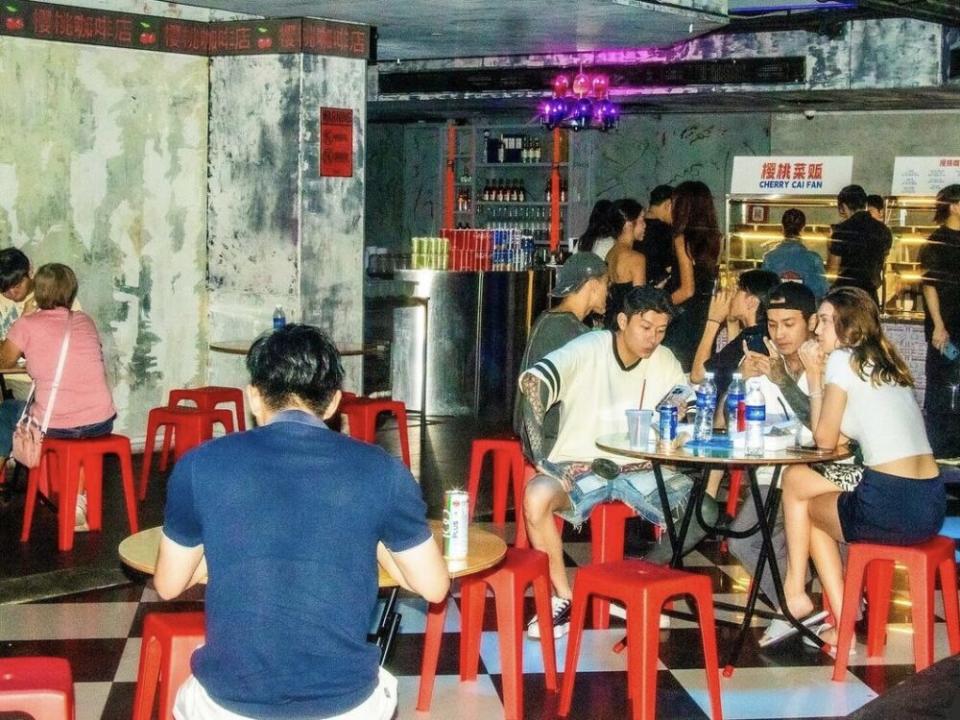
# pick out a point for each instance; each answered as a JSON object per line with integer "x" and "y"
{"x": 28, "y": 435}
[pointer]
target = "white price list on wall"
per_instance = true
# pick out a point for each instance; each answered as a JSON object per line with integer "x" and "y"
{"x": 924, "y": 175}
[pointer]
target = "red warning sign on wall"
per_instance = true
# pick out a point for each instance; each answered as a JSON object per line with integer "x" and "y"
{"x": 336, "y": 142}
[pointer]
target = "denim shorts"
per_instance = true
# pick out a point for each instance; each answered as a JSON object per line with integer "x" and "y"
{"x": 636, "y": 488}
{"x": 892, "y": 510}
{"x": 84, "y": 431}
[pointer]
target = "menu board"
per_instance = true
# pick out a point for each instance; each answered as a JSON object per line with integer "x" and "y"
{"x": 790, "y": 175}
{"x": 924, "y": 175}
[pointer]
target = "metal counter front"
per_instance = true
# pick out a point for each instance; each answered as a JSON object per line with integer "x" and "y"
{"x": 472, "y": 327}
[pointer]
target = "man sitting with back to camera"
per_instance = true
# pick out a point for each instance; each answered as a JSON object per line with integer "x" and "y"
{"x": 595, "y": 379}
{"x": 291, "y": 519}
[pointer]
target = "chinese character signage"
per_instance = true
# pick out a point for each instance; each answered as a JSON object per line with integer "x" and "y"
{"x": 43, "y": 21}
{"x": 336, "y": 142}
{"x": 790, "y": 175}
{"x": 924, "y": 175}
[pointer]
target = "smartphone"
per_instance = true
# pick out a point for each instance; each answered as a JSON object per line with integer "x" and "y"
{"x": 755, "y": 344}
{"x": 811, "y": 450}
{"x": 679, "y": 395}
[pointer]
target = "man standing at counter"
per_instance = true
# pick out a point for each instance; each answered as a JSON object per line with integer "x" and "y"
{"x": 859, "y": 245}
{"x": 291, "y": 518}
{"x": 595, "y": 379}
{"x": 657, "y": 242}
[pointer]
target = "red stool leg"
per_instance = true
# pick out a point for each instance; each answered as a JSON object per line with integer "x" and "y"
{"x": 33, "y": 487}
{"x": 501, "y": 480}
{"x": 90, "y": 464}
{"x": 541, "y": 594}
{"x": 922, "y": 580}
{"x": 643, "y": 646}
{"x": 477, "y": 452}
{"x": 125, "y": 454}
{"x": 147, "y": 679}
{"x": 607, "y": 527}
{"x": 703, "y": 596}
{"x": 852, "y": 588}
{"x": 879, "y": 590}
{"x": 152, "y": 423}
{"x": 473, "y": 593}
{"x": 951, "y": 607}
{"x": 520, "y": 540}
{"x": 733, "y": 491}
{"x": 436, "y": 614}
{"x": 518, "y": 478}
{"x": 67, "y": 470}
{"x": 578, "y": 617}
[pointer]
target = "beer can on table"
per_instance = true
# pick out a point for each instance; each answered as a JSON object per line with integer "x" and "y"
{"x": 456, "y": 521}
{"x": 669, "y": 417}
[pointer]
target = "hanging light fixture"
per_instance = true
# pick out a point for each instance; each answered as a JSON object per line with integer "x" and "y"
{"x": 582, "y": 105}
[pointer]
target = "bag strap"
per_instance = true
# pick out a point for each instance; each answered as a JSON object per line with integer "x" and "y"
{"x": 26, "y": 406}
{"x": 56, "y": 378}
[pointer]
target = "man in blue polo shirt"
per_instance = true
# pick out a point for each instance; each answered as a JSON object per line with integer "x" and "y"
{"x": 289, "y": 520}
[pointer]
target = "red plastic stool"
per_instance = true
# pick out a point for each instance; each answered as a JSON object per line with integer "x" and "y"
{"x": 362, "y": 413}
{"x": 923, "y": 562}
{"x": 205, "y": 398}
{"x": 509, "y": 581}
{"x": 190, "y": 428}
{"x": 607, "y": 531}
{"x": 61, "y": 462}
{"x": 169, "y": 640}
{"x": 508, "y": 464}
{"x": 643, "y": 588}
{"x": 39, "y": 686}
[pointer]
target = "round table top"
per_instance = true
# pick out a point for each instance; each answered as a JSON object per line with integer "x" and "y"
{"x": 618, "y": 444}
{"x": 15, "y": 370}
{"x": 242, "y": 347}
{"x": 486, "y": 549}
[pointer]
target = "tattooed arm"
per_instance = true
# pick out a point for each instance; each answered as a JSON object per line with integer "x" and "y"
{"x": 533, "y": 408}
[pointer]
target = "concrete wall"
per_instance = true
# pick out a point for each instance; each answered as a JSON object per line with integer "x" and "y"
{"x": 103, "y": 167}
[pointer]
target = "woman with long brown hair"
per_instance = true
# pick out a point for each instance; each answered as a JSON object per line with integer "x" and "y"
{"x": 697, "y": 240}
{"x": 861, "y": 390}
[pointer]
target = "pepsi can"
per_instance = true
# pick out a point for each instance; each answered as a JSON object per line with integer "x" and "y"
{"x": 669, "y": 417}
{"x": 456, "y": 524}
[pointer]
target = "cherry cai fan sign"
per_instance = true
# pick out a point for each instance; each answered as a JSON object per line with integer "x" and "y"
{"x": 790, "y": 175}
{"x": 336, "y": 142}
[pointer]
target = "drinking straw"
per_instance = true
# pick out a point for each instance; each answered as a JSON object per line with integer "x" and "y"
{"x": 643, "y": 391}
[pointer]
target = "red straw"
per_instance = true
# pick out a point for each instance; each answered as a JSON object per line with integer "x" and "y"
{"x": 643, "y": 391}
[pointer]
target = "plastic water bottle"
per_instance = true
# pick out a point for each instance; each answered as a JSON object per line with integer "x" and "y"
{"x": 706, "y": 408}
{"x": 736, "y": 402}
{"x": 950, "y": 351}
{"x": 279, "y": 319}
{"x": 756, "y": 416}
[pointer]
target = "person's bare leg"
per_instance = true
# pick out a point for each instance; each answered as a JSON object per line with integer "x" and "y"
{"x": 800, "y": 485}
{"x": 825, "y": 551}
{"x": 542, "y": 497}
{"x": 713, "y": 482}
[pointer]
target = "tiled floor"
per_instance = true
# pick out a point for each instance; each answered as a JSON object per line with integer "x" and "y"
{"x": 99, "y": 630}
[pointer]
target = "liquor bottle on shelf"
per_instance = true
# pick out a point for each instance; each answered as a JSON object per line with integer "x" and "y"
{"x": 536, "y": 151}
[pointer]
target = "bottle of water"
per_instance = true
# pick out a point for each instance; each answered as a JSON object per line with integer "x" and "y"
{"x": 706, "y": 408}
{"x": 736, "y": 401}
{"x": 279, "y": 319}
{"x": 756, "y": 415}
{"x": 950, "y": 351}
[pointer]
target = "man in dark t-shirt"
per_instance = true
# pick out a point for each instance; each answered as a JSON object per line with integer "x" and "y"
{"x": 859, "y": 245}
{"x": 657, "y": 243}
{"x": 291, "y": 519}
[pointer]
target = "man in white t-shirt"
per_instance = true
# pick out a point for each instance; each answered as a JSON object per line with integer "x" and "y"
{"x": 595, "y": 378}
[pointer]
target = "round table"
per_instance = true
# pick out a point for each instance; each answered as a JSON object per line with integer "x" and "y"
{"x": 486, "y": 549}
{"x": 618, "y": 444}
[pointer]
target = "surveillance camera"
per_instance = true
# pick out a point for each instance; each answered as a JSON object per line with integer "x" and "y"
{"x": 809, "y": 114}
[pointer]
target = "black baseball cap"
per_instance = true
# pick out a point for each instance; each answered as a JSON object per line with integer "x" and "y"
{"x": 792, "y": 296}
{"x": 571, "y": 276}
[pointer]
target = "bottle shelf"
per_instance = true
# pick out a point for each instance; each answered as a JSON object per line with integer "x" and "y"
{"x": 508, "y": 203}
{"x": 520, "y": 165}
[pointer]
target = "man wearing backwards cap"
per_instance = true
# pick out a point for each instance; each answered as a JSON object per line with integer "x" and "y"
{"x": 594, "y": 379}
{"x": 582, "y": 286}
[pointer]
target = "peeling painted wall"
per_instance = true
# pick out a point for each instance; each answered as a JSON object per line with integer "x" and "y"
{"x": 102, "y": 167}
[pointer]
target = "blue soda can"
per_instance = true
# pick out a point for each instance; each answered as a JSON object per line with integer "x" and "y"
{"x": 669, "y": 417}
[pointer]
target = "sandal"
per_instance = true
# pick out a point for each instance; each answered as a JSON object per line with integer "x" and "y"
{"x": 779, "y": 630}
{"x": 833, "y": 648}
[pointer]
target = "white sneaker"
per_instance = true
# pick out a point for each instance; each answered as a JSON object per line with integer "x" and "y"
{"x": 561, "y": 619}
{"x": 80, "y": 518}
{"x": 618, "y": 611}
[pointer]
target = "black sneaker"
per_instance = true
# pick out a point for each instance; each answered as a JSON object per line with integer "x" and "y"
{"x": 561, "y": 619}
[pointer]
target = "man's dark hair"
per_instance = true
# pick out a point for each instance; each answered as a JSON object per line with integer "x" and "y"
{"x": 875, "y": 202}
{"x": 644, "y": 298}
{"x": 14, "y": 267}
{"x": 295, "y": 362}
{"x": 660, "y": 193}
{"x": 793, "y": 222}
{"x": 759, "y": 283}
{"x": 853, "y": 196}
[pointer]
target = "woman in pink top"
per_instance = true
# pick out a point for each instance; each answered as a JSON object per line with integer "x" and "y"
{"x": 83, "y": 406}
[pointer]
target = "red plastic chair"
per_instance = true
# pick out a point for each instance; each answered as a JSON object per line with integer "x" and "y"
{"x": 362, "y": 413}
{"x": 508, "y": 465}
{"x": 643, "y": 588}
{"x": 190, "y": 428}
{"x": 60, "y": 464}
{"x": 607, "y": 532}
{"x": 205, "y": 398}
{"x": 169, "y": 640}
{"x": 508, "y": 581}
{"x": 923, "y": 563}
{"x": 39, "y": 686}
